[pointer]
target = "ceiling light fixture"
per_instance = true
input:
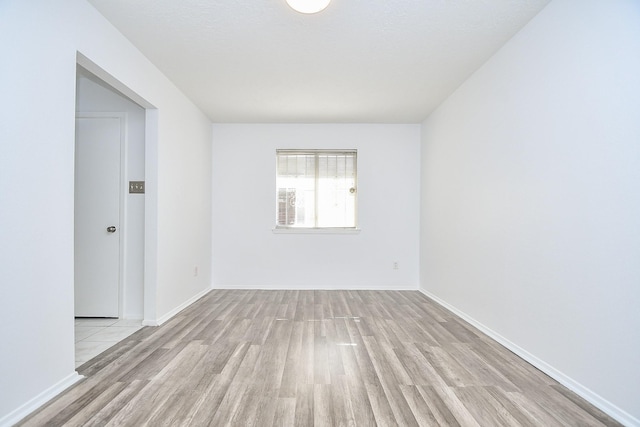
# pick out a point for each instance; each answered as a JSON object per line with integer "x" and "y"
{"x": 308, "y": 6}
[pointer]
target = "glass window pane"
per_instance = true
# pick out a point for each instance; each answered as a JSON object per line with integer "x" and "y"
{"x": 316, "y": 189}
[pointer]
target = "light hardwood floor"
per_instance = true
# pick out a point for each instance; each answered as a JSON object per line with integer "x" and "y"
{"x": 305, "y": 358}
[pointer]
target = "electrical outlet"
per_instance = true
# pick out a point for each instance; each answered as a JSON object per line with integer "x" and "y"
{"x": 395, "y": 265}
{"x": 195, "y": 271}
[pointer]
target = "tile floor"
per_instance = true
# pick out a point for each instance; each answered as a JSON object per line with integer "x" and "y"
{"x": 96, "y": 334}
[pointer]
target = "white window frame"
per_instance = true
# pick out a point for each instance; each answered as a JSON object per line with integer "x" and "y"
{"x": 284, "y": 229}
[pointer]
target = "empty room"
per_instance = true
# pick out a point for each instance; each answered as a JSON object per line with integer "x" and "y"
{"x": 332, "y": 212}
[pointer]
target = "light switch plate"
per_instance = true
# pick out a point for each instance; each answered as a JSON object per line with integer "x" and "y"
{"x": 136, "y": 187}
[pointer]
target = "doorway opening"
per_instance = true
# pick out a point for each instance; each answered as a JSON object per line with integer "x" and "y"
{"x": 109, "y": 241}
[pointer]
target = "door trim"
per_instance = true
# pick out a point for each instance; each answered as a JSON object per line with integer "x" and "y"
{"x": 122, "y": 199}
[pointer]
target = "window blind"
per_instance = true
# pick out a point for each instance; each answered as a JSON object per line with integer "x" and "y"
{"x": 316, "y": 189}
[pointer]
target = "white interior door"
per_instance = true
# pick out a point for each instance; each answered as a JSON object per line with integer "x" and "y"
{"x": 97, "y": 216}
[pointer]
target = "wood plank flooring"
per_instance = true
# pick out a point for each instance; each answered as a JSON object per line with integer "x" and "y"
{"x": 314, "y": 358}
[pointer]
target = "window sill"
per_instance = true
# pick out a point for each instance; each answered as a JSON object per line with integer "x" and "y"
{"x": 316, "y": 230}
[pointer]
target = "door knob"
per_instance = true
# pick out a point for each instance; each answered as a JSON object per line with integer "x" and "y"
{"x": 111, "y": 229}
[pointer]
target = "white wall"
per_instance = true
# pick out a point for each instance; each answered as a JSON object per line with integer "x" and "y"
{"x": 39, "y": 40}
{"x": 91, "y": 96}
{"x": 531, "y": 198}
{"x": 247, "y": 253}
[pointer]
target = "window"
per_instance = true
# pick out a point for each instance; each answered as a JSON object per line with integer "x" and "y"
{"x": 316, "y": 189}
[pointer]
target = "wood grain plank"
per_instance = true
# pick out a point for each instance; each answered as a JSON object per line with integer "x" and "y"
{"x": 304, "y": 413}
{"x": 438, "y": 408}
{"x": 419, "y": 407}
{"x": 484, "y": 408}
{"x": 285, "y": 413}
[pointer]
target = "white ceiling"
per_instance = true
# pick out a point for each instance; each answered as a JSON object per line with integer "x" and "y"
{"x": 358, "y": 61}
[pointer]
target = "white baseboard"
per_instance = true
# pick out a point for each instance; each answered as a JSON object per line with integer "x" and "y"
{"x": 18, "y": 414}
{"x": 178, "y": 309}
{"x": 318, "y": 288}
{"x": 582, "y": 391}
